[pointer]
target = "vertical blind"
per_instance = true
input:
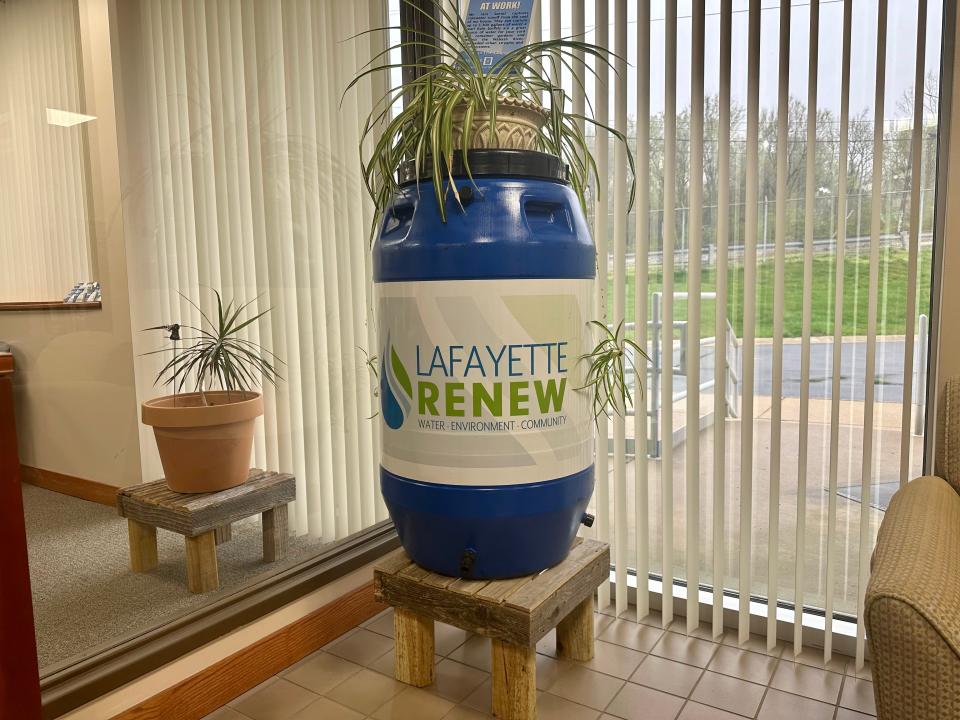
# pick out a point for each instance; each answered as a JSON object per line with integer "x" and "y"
{"x": 775, "y": 268}
{"x": 243, "y": 176}
{"x": 778, "y": 261}
{"x": 44, "y": 204}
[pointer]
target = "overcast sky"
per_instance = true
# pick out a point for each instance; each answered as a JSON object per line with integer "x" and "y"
{"x": 900, "y": 55}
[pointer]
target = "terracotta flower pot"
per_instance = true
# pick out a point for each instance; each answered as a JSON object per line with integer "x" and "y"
{"x": 518, "y": 126}
{"x": 204, "y": 448}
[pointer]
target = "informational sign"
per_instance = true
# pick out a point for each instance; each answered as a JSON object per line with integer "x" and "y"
{"x": 480, "y": 380}
{"x": 498, "y": 27}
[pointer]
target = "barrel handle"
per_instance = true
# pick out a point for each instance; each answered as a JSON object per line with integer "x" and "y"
{"x": 398, "y": 217}
{"x": 547, "y": 216}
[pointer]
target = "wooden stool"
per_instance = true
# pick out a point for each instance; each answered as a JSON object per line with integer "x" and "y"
{"x": 514, "y": 614}
{"x": 204, "y": 519}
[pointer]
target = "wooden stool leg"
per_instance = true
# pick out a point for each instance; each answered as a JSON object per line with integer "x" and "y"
{"x": 143, "y": 546}
{"x": 514, "y": 681}
{"x": 413, "y": 644}
{"x": 223, "y": 534}
{"x": 202, "y": 574}
{"x": 575, "y": 633}
{"x": 274, "y": 523}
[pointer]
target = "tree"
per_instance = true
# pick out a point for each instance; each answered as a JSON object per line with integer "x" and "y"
{"x": 897, "y": 171}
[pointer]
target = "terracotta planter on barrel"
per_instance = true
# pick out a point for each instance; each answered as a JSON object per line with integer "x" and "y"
{"x": 204, "y": 447}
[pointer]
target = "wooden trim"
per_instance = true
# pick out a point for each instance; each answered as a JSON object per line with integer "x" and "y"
{"x": 220, "y": 683}
{"x": 19, "y": 682}
{"x": 91, "y": 490}
{"x": 49, "y": 305}
{"x": 122, "y": 660}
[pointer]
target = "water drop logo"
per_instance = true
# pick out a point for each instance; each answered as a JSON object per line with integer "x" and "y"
{"x": 396, "y": 392}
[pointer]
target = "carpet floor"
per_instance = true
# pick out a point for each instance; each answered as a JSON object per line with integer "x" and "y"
{"x": 86, "y": 597}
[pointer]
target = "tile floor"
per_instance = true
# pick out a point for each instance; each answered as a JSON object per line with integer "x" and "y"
{"x": 640, "y": 672}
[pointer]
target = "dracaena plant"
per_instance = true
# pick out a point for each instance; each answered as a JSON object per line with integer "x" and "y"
{"x": 215, "y": 356}
{"x": 450, "y": 86}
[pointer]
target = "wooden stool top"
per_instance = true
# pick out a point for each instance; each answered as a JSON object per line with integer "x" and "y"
{"x": 518, "y": 611}
{"x": 192, "y": 514}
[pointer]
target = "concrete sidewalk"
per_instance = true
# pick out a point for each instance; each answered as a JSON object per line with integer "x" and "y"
{"x": 845, "y": 547}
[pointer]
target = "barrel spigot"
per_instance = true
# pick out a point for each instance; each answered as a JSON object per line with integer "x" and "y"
{"x": 467, "y": 560}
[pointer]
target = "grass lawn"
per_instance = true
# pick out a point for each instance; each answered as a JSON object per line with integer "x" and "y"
{"x": 892, "y": 289}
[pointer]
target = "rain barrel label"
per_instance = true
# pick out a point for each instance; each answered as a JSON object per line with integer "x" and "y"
{"x": 480, "y": 380}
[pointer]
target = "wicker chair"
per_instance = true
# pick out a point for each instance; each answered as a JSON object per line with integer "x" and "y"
{"x": 912, "y": 610}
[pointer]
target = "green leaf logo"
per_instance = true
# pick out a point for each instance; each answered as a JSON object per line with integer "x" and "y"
{"x": 400, "y": 372}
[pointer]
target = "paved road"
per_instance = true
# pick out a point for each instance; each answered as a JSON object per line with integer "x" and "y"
{"x": 888, "y": 383}
{"x": 888, "y": 376}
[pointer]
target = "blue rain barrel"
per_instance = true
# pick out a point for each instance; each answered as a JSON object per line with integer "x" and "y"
{"x": 487, "y": 437}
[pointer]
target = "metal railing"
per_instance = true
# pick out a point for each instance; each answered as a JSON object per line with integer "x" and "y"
{"x": 652, "y": 394}
{"x": 708, "y": 254}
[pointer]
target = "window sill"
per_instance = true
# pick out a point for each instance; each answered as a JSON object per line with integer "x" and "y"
{"x": 48, "y": 305}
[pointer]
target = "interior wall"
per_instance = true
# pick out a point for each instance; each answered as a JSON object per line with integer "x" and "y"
{"x": 948, "y": 333}
{"x": 74, "y": 385}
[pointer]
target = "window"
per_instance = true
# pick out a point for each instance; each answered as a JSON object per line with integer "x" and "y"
{"x": 243, "y": 177}
{"x": 44, "y": 203}
{"x": 220, "y": 158}
{"x": 786, "y": 176}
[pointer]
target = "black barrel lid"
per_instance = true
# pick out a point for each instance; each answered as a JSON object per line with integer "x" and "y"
{"x": 487, "y": 162}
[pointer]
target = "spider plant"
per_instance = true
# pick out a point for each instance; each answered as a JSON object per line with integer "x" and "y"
{"x": 372, "y": 363}
{"x": 451, "y": 87}
{"x": 606, "y": 374}
{"x": 216, "y": 356}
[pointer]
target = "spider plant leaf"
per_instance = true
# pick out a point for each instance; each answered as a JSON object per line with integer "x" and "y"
{"x": 465, "y": 138}
{"x": 493, "y": 103}
{"x": 446, "y": 139}
{"x": 435, "y": 158}
{"x": 639, "y": 350}
{"x": 384, "y": 67}
{"x": 451, "y": 74}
